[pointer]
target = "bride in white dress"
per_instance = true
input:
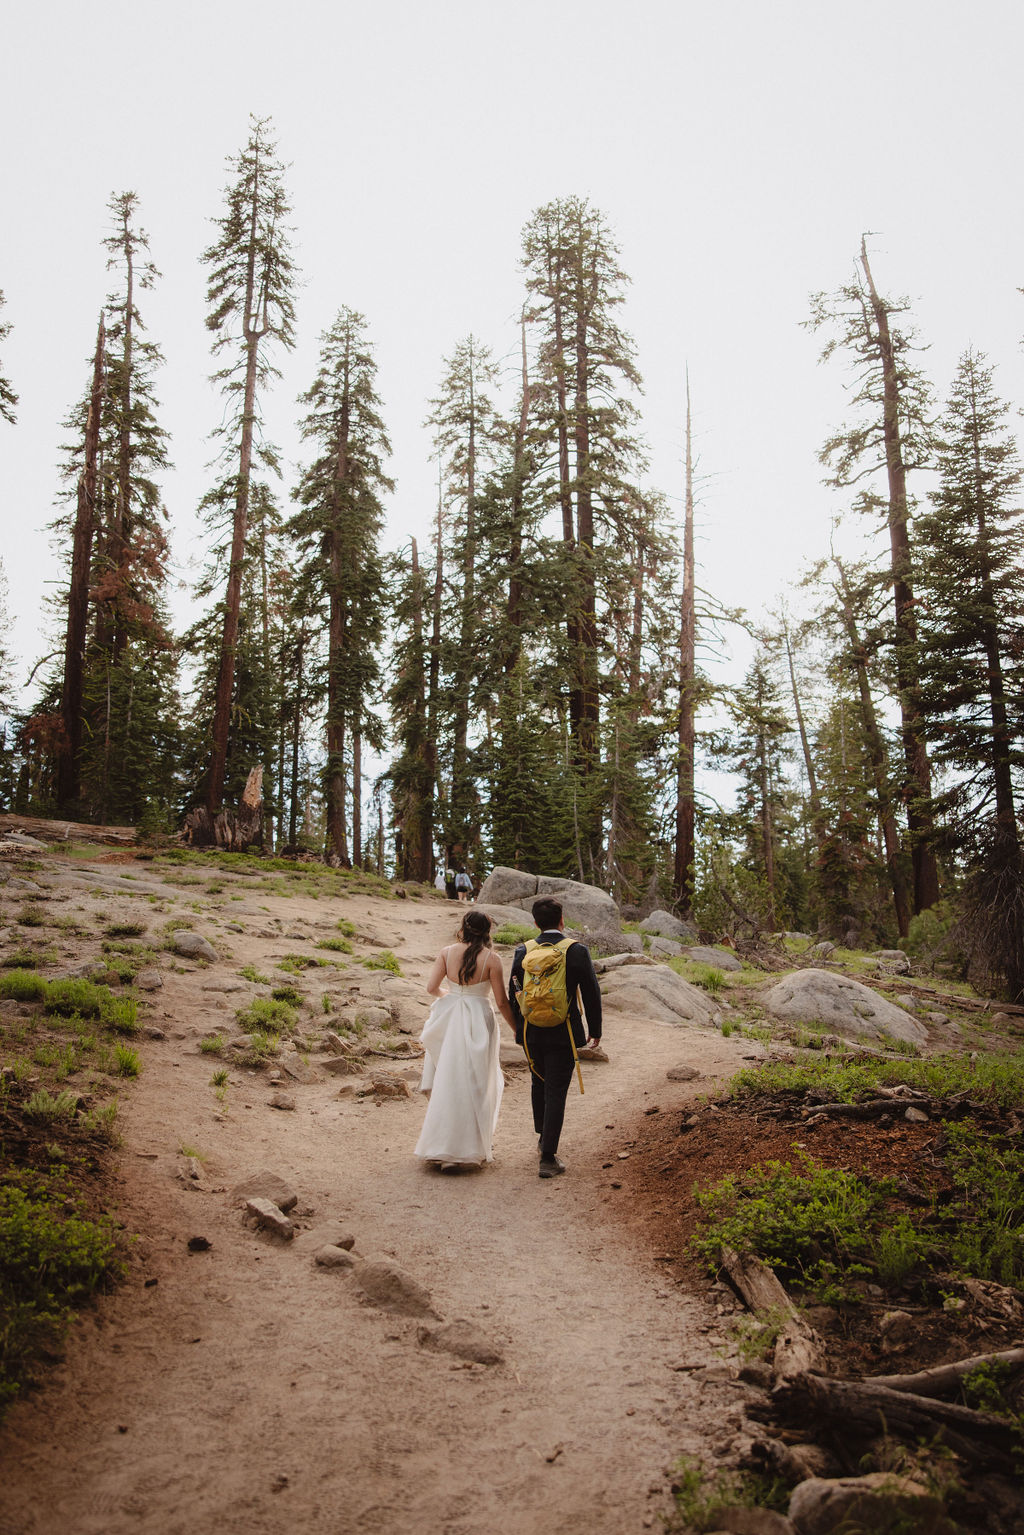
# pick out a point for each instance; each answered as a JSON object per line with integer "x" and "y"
{"x": 462, "y": 1071}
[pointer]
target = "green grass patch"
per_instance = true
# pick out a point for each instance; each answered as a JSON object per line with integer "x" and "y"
{"x": 294, "y": 964}
{"x": 346, "y": 928}
{"x": 250, "y": 973}
{"x": 30, "y": 916}
{"x": 22, "y": 986}
{"x": 20, "y": 959}
{"x": 125, "y": 929}
{"x": 996, "y": 1079}
{"x": 263, "y": 1015}
{"x": 126, "y": 1060}
{"x": 211, "y": 1044}
{"x": 513, "y": 932}
{"x": 384, "y": 960}
{"x": 288, "y": 994}
{"x": 339, "y": 945}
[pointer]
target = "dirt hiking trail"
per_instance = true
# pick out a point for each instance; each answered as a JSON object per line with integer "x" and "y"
{"x": 246, "y": 1388}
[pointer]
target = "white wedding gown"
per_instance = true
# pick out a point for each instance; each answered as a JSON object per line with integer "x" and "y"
{"x": 462, "y": 1073}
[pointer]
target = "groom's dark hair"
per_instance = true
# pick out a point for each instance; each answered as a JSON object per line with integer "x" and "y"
{"x": 547, "y": 912}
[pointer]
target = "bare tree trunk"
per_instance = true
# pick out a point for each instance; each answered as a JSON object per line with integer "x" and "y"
{"x": 357, "y": 799}
{"x": 253, "y": 333}
{"x": 337, "y": 829}
{"x": 877, "y": 757}
{"x": 293, "y": 806}
{"x": 686, "y": 731}
{"x": 920, "y": 819}
{"x": 69, "y": 761}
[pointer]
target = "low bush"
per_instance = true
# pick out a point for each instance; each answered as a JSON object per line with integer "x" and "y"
{"x": 339, "y": 945}
{"x": 52, "y": 1259}
{"x": 513, "y": 933}
{"x": 385, "y": 960}
{"x": 22, "y": 986}
{"x": 264, "y": 1015}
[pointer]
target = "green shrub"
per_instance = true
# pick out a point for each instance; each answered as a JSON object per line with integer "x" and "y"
{"x": 288, "y": 994}
{"x": 264, "y": 1044}
{"x": 262, "y": 1014}
{"x": 126, "y": 1061}
{"x": 30, "y": 916}
{"x": 250, "y": 973}
{"x": 513, "y": 933}
{"x": 211, "y": 1044}
{"x": 51, "y": 1260}
{"x": 23, "y": 986}
{"x": 345, "y": 927}
{"x": 120, "y": 1014}
{"x": 385, "y": 960}
{"x": 19, "y": 959}
{"x": 812, "y": 1223}
{"x": 71, "y": 997}
{"x": 339, "y": 945}
{"x": 988, "y": 1206}
{"x": 125, "y": 929}
{"x": 46, "y": 1108}
{"x": 294, "y": 964}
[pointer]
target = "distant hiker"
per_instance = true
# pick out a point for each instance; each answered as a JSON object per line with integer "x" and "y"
{"x": 551, "y": 975}
{"x": 449, "y": 884}
{"x": 439, "y": 880}
{"x": 463, "y": 885}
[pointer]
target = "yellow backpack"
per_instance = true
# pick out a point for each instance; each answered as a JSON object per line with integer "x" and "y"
{"x": 544, "y": 995}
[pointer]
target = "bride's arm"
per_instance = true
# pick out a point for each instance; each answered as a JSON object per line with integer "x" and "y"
{"x": 438, "y": 973}
{"x": 497, "y": 979}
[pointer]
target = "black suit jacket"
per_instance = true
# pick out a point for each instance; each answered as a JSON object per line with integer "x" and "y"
{"x": 580, "y": 981}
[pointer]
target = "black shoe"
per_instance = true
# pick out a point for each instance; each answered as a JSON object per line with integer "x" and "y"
{"x": 551, "y": 1169}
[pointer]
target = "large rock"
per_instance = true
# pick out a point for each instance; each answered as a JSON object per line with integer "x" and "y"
{"x": 878, "y": 1501}
{"x": 582, "y": 905}
{"x": 609, "y": 940}
{"x": 842, "y": 1005}
{"x": 265, "y": 1185}
{"x": 721, "y": 959}
{"x": 193, "y": 945}
{"x": 666, "y": 925}
{"x": 508, "y": 887}
{"x": 655, "y": 992}
{"x": 507, "y": 916}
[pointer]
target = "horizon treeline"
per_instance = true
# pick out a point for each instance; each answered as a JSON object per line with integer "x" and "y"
{"x": 529, "y": 668}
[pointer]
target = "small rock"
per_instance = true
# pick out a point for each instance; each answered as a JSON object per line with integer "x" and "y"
{"x": 907, "y": 1001}
{"x": 682, "y": 1074}
{"x": 721, "y": 959}
{"x": 223, "y": 983}
{"x": 461, "y": 1338}
{"x": 233, "y": 927}
{"x": 298, "y": 1069}
{"x": 330, "y": 1257}
{"x": 340, "y": 1065}
{"x": 893, "y": 961}
{"x": 593, "y": 1053}
{"x": 938, "y": 1018}
{"x": 193, "y": 945}
{"x": 822, "y": 950}
{"x": 152, "y": 1032}
{"x": 388, "y": 1286}
{"x": 199, "y": 1244}
{"x": 336, "y": 1044}
{"x": 385, "y": 1084}
{"x": 149, "y": 980}
{"x": 668, "y": 926}
{"x": 327, "y": 1234}
{"x": 265, "y": 1185}
{"x": 916, "y": 1116}
{"x": 665, "y": 946}
{"x": 270, "y": 1217}
{"x": 897, "y": 1326}
{"x": 281, "y": 1101}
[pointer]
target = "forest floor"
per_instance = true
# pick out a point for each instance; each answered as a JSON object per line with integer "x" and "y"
{"x": 242, "y": 1386}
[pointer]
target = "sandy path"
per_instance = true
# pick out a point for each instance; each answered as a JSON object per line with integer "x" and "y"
{"x": 249, "y": 1389}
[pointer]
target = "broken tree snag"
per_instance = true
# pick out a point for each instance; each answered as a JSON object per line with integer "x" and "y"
{"x": 798, "y": 1347}
{"x": 233, "y": 830}
{"x": 865, "y": 1408}
{"x": 944, "y": 1378}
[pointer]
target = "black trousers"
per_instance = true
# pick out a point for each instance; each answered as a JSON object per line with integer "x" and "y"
{"x": 552, "y": 1066}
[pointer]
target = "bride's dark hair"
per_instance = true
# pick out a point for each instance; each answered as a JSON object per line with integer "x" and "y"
{"x": 475, "y": 933}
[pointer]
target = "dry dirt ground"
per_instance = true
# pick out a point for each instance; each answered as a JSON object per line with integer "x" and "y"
{"x": 244, "y": 1388}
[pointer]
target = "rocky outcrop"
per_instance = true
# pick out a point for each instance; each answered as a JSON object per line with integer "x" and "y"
{"x": 842, "y": 1005}
{"x": 582, "y": 905}
{"x": 721, "y": 959}
{"x": 666, "y": 925}
{"x": 657, "y": 993}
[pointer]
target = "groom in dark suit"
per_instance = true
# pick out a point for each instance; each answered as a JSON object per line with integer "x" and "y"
{"x": 550, "y": 1050}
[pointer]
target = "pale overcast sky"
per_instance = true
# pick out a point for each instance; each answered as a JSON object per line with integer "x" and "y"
{"x": 737, "y": 148}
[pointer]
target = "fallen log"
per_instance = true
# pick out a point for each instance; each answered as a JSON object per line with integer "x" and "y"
{"x": 797, "y": 1347}
{"x": 66, "y": 831}
{"x": 942, "y": 1378}
{"x": 869, "y": 1409}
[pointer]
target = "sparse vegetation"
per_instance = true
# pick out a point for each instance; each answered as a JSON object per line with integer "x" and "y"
{"x": 384, "y": 960}
{"x": 339, "y": 945}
